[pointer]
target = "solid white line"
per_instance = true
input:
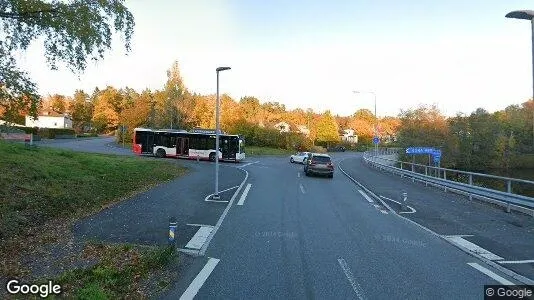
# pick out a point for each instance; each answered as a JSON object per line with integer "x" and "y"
{"x": 208, "y": 196}
{"x": 220, "y": 201}
{"x": 199, "y": 238}
{"x": 497, "y": 266}
{"x": 197, "y": 283}
{"x": 473, "y": 247}
{"x": 302, "y": 188}
{"x": 355, "y": 286}
{"x": 402, "y": 212}
{"x": 528, "y": 261}
{"x": 225, "y": 212}
{"x": 365, "y": 196}
{"x": 244, "y": 195}
{"x": 202, "y": 225}
{"x": 248, "y": 164}
{"x": 491, "y": 274}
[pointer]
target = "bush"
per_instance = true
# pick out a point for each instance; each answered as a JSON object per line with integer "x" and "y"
{"x": 51, "y": 133}
{"x": 318, "y": 149}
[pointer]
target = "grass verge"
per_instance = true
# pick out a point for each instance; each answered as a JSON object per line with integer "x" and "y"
{"x": 43, "y": 185}
{"x": 121, "y": 273}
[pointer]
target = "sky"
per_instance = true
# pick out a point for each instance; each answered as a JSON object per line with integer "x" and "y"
{"x": 459, "y": 55}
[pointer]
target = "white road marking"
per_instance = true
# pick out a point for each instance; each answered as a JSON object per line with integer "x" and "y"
{"x": 248, "y": 164}
{"x": 210, "y": 200}
{"x": 201, "y": 225}
{"x": 221, "y": 218}
{"x": 528, "y": 261}
{"x": 412, "y": 210}
{"x": 197, "y": 283}
{"x": 355, "y": 286}
{"x": 459, "y": 241}
{"x": 376, "y": 205}
{"x": 244, "y": 195}
{"x": 298, "y": 174}
{"x": 365, "y": 196}
{"x": 384, "y": 212}
{"x": 199, "y": 238}
{"x": 302, "y": 188}
{"x": 491, "y": 274}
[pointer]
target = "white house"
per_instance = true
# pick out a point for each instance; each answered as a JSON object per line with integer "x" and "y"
{"x": 282, "y": 126}
{"x": 348, "y": 135}
{"x": 63, "y": 121}
{"x": 303, "y": 129}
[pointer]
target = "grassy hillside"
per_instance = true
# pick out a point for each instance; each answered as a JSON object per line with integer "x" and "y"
{"x": 41, "y": 184}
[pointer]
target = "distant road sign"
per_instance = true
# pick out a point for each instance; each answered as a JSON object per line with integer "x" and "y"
{"x": 422, "y": 150}
{"x": 376, "y": 140}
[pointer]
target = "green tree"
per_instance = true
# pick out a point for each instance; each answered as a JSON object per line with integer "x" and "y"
{"x": 327, "y": 129}
{"x": 81, "y": 110}
{"x": 58, "y": 104}
{"x": 72, "y": 32}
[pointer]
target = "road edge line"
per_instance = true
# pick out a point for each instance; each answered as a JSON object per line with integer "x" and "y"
{"x": 204, "y": 248}
{"x": 200, "y": 279}
{"x": 506, "y": 271}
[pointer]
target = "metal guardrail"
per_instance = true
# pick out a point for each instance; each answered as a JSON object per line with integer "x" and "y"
{"x": 442, "y": 177}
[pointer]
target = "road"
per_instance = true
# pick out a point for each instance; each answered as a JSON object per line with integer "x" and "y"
{"x": 297, "y": 237}
{"x": 282, "y": 235}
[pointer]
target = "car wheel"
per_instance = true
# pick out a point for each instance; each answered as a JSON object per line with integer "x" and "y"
{"x": 161, "y": 153}
{"x": 331, "y": 176}
{"x": 291, "y": 160}
{"x": 212, "y": 156}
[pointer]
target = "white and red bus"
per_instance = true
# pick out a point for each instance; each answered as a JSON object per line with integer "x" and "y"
{"x": 198, "y": 143}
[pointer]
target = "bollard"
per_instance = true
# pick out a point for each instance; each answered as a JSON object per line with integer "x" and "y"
{"x": 404, "y": 198}
{"x": 172, "y": 230}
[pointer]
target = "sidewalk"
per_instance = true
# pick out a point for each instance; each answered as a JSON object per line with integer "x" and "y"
{"x": 508, "y": 235}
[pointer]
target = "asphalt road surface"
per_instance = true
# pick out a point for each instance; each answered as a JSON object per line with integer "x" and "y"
{"x": 298, "y": 237}
{"x": 283, "y": 235}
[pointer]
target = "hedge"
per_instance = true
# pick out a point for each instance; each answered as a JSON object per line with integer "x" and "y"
{"x": 49, "y": 133}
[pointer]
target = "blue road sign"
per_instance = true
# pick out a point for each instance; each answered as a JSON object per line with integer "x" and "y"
{"x": 376, "y": 140}
{"x": 421, "y": 150}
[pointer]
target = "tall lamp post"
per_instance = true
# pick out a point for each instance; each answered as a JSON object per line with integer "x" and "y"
{"x": 216, "y": 195}
{"x": 376, "y": 117}
{"x": 527, "y": 15}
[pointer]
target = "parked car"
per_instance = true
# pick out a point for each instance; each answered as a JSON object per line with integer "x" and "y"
{"x": 299, "y": 157}
{"x": 319, "y": 164}
{"x": 337, "y": 149}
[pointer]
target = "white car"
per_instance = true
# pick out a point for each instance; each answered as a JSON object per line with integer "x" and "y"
{"x": 300, "y": 157}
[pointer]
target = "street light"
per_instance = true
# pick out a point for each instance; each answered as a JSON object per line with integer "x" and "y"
{"x": 376, "y": 117}
{"x": 527, "y": 15}
{"x": 217, "y": 130}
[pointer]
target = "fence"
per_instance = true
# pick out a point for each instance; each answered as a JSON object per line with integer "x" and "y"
{"x": 510, "y": 191}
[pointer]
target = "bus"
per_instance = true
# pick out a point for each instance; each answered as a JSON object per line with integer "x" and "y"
{"x": 194, "y": 144}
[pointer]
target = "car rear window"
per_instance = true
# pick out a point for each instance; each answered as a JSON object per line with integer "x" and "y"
{"x": 321, "y": 159}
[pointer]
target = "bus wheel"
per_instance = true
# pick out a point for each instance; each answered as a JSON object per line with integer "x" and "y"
{"x": 212, "y": 156}
{"x": 160, "y": 153}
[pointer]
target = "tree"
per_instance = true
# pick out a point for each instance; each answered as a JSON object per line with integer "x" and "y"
{"x": 327, "y": 129}
{"x": 82, "y": 111}
{"x": 73, "y": 32}
{"x": 107, "y": 109}
{"x": 58, "y": 104}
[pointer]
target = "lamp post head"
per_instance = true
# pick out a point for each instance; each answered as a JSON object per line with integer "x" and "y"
{"x": 521, "y": 14}
{"x": 222, "y": 69}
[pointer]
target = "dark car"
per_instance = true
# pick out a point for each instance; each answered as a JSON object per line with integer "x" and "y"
{"x": 337, "y": 149}
{"x": 319, "y": 164}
